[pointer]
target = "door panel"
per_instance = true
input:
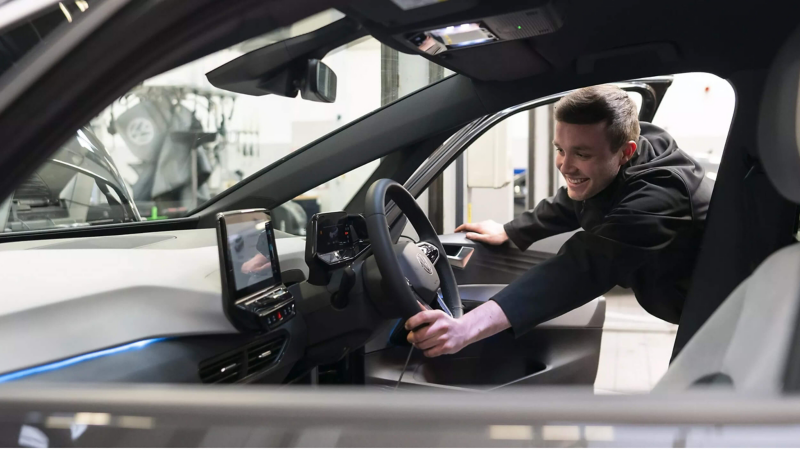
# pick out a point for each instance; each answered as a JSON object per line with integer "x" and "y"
{"x": 489, "y": 264}
{"x": 562, "y": 351}
{"x": 590, "y": 315}
{"x": 547, "y": 355}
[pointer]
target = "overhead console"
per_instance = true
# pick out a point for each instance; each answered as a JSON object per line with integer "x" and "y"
{"x": 483, "y": 40}
{"x": 434, "y": 27}
{"x": 506, "y": 27}
{"x": 254, "y": 297}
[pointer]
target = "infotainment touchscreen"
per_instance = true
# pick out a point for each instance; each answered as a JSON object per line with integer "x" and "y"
{"x": 253, "y": 295}
{"x": 250, "y": 260}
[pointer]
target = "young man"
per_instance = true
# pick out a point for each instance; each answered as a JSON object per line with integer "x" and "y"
{"x": 641, "y": 202}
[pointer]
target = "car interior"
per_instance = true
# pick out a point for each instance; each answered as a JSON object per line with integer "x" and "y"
{"x": 169, "y": 301}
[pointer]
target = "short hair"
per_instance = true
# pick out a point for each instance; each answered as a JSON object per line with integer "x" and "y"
{"x": 603, "y": 103}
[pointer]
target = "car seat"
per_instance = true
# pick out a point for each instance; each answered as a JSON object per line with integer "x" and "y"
{"x": 745, "y": 343}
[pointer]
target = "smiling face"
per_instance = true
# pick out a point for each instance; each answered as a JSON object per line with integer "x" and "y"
{"x": 585, "y": 158}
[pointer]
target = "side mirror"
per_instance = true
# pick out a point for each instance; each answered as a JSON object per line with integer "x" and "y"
{"x": 319, "y": 84}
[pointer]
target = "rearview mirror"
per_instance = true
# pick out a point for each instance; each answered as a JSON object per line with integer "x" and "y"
{"x": 319, "y": 84}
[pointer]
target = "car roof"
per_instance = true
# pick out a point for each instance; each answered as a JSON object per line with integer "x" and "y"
{"x": 639, "y": 37}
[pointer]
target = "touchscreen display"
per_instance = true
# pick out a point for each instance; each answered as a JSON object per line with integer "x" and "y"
{"x": 250, "y": 252}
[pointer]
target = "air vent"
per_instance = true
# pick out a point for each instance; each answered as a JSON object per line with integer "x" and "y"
{"x": 223, "y": 371}
{"x": 263, "y": 355}
{"x": 234, "y": 366}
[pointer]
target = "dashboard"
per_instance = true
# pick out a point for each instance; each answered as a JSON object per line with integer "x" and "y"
{"x": 105, "y": 293}
{"x": 150, "y": 308}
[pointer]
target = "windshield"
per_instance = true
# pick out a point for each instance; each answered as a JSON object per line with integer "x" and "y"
{"x": 175, "y": 141}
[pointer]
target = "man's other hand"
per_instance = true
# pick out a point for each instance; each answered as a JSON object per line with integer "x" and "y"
{"x": 488, "y": 232}
{"x": 439, "y": 334}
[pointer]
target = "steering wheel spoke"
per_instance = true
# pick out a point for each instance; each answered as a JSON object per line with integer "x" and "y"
{"x": 407, "y": 271}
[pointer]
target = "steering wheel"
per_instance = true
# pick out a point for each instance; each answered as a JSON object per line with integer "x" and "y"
{"x": 409, "y": 273}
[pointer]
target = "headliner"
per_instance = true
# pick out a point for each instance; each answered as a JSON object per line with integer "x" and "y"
{"x": 619, "y": 37}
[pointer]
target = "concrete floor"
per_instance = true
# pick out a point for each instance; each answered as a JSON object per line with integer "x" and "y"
{"x": 635, "y": 349}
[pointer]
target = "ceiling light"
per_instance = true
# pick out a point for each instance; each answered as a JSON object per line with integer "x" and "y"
{"x": 83, "y": 5}
{"x": 458, "y": 36}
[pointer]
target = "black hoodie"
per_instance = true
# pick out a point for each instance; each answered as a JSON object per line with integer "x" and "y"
{"x": 643, "y": 231}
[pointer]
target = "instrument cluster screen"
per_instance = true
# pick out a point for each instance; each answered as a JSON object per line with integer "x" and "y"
{"x": 339, "y": 237}
{"x": 336, "y": 237}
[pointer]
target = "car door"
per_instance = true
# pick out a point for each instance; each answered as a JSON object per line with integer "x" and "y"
{"x": 565, "y": 350}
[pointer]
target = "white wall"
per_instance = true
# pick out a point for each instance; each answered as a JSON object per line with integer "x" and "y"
{"x": 489, "y": 173}
{"x": 697, "y": 111}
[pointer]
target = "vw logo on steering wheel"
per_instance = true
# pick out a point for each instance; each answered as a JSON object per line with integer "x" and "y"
{"x": 423, "y": 261}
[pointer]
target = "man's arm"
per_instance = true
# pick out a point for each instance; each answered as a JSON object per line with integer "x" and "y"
{"x": 552, "y": 216}
{"x": 588, "y": 265}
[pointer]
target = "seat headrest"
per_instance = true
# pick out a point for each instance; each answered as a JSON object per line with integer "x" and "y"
{"x": 779, "y": 120}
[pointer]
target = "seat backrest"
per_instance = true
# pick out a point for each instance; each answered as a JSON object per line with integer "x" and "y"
{"x": 745, "y": 344}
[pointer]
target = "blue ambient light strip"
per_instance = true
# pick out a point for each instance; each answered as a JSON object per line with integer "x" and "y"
{"x": 77, "y": 359}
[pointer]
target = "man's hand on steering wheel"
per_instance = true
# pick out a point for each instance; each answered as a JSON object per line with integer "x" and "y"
{"x": 408, "y": 274}
{"x": 488, "y": 232}
{"x": 439, "y": 334}
{"x": 443, "y": 335}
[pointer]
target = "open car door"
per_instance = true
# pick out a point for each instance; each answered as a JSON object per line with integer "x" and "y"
{"x": 562, "y": 351}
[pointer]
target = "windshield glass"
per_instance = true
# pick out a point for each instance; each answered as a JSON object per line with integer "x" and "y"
{"x": 175, "y": 141}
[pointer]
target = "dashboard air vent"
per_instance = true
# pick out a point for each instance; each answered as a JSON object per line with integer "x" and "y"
{"x": 223, "y": 371}
{"x": 263, "y": 355}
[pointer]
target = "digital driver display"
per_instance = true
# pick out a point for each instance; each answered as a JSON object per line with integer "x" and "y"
{"x": 334, "y": 238}
{"x": 338, "y": 237}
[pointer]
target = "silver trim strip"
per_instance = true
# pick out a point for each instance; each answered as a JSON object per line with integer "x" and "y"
{"x": 461, "y": 259}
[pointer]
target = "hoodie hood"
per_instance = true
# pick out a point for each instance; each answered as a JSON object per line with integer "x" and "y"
{"x": 657, "y": 150}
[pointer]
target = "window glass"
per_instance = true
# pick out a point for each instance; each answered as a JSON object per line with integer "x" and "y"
{"x": 175, "y": 141}
{"x": 76, "y": 187}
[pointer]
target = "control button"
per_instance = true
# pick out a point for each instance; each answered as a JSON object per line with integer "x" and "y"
{"x": 279, "y": 316}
